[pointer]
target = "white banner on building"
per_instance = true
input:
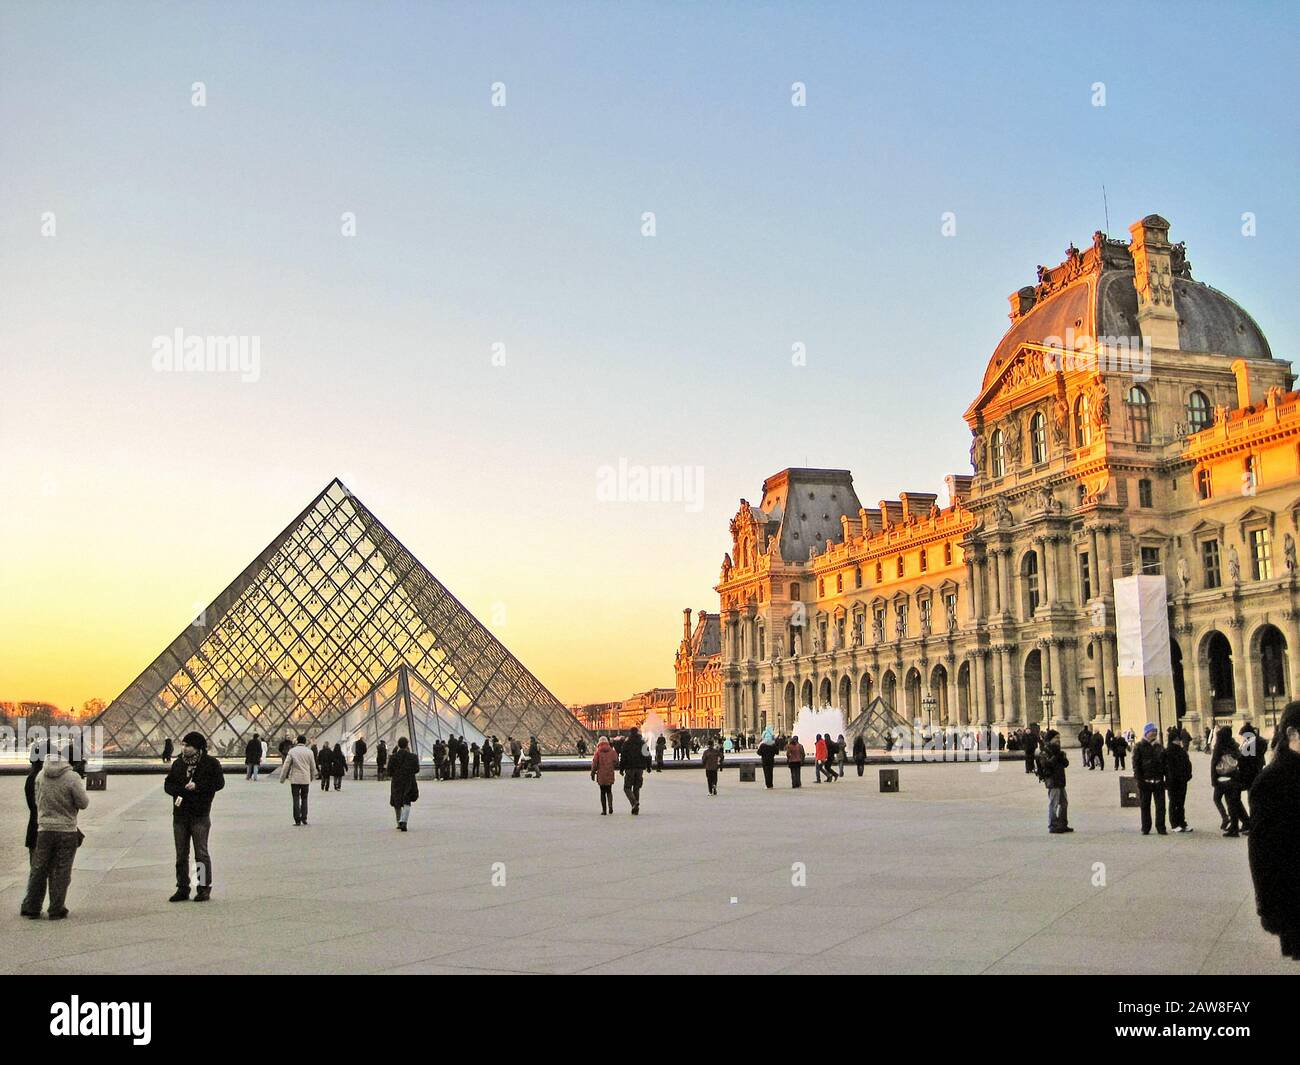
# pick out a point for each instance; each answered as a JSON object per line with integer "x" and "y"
{"x": 1142, "y": 627}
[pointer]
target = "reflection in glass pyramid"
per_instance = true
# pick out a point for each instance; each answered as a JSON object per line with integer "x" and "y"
{"x": 332, "y": 608}
{"x": 402, "y": 704}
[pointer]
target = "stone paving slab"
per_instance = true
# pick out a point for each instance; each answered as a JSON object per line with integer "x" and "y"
{"x": 956, "y": 873}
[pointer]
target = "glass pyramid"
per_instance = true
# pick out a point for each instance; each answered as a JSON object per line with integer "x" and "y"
{"x": 402, "y": 704}
{"x": 334, "y": 606}
{"x": 874, "y": 724}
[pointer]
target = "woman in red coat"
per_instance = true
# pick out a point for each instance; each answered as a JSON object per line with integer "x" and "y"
{"x": 604, "y": 764}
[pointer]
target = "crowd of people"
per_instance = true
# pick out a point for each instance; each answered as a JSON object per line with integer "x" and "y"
{"x": 1269, "y": 813}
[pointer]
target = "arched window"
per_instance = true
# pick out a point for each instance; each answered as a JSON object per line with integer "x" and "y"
{"x": 1082, "y": 421}
{"x": 1038, "y": 439}
{"x": 1139, "y": 414}
{"x": 1029, "y": 579}
{"x": 997, "y": 454}
{"x": 1198, "y": 412}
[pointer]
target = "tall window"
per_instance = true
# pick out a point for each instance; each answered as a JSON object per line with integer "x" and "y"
{"x": 1085, "y": 575}
{"x": 947, "y": 553}
{"x": 1139, "y": 414}
{"x": 1210, "y": 563}
{"x": 1144, "y": 494}
{"x": 1204, "y": 483}
{"x": 924, "y": 556}
{"x": 821, "y": 586}
{"x": 880, "y": 572}
{"x": 1082, "y": 421}
{"x": 900, "y": 565}
{"x": 857, "y": 576}
{"x": 1029, "y": 576}
{"x": 839, "y": 583}
{"x": 1151, "y": 561}
{"x": 1250, "y": 474}
{"x": 1261, "y": 557}
{"x": 1198, "y": 412}
{"x": 794, "y": 592}
{"x": 997, "y": 454}
{"x": 840, "y": 640}
{"x": 925, "y": 615}
{"x": 1038, "y": 439}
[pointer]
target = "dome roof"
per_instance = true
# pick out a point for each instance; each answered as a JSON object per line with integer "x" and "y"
{"x": 1094, "y": 295}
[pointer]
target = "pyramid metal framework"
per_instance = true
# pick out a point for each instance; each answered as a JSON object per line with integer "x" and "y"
{"x": 877, "y": 720}
{"x": 402, "y": 704}
{"x": 334, "y": 605}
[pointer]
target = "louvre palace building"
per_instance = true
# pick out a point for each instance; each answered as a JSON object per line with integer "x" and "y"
{"x": 1132, "y": 421}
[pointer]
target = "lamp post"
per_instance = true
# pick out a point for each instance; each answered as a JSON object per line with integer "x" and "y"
{"x": 1110, "y": 709}
{"x": 928, "y": 703}
{"x": 1272, "y": 704}
{"x": 1160, "y": 720}
{"x": 1048, "y": 696}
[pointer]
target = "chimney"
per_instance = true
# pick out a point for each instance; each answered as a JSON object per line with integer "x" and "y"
{"x": 1241, "y": 371}
{"x": 686, "y": 624}
{"x": 1154, "y": 281}
{"x": 1022, "y": 302}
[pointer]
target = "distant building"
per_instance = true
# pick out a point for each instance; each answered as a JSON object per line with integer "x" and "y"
{"x": 661, "y": 701}
{"x": 699, "y": 672}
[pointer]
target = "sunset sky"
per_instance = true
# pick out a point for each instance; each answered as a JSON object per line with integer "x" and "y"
{"x": 130, "y": 497}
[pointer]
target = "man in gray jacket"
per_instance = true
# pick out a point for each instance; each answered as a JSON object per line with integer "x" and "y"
{"x": 299, "y": 769}
{"x": 60, "y": 794}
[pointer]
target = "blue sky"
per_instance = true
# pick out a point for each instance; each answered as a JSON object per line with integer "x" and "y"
{"x": 521, "y": 226}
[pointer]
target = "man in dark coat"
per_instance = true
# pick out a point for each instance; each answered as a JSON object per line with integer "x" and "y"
{"x": 381, "y": 759}
{"x": 1150, "y": 771}
{"x": 1178, "y": 771}
{"x": 29, "y": 791}
{"x": 1274, "y": 845}
{"x": 403, "y": 769}
{"x": 463, "y": 754}
{"x": 359, "y": 758}
{"x": 633, "y": 761}
{"x": 253, "y": 758}
{"x": 1052, "y": 762}
{"x": 168, "y": 748}
{"x": 859, "y": 753}
{"x": 766, "y": 754}
{"x": 192, "y": 782}
{"x": 1098, "y": 749}
{"x": 1030, "y": 744}
{"x": 1119, "y": 748}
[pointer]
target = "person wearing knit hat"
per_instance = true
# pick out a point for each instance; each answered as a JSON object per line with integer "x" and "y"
{"x": 1051, "y": 771}
{"x": 192, "y": 782}
{"x": 1149, "y": 768}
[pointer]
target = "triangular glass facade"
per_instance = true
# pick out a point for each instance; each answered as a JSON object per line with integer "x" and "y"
{"x": 402, "y": 704}
{"x": 875, "y": 722}
{"x": 332, "y": 607}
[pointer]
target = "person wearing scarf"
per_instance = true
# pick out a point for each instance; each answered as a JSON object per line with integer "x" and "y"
{"x": 192, "y": 782}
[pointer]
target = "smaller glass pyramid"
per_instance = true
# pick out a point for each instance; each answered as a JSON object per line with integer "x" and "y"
{"x": 400, "y": 704}
{"x": 874, "y": 724}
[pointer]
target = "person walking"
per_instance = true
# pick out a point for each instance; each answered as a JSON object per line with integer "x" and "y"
{"x": 766, "y": 755}
{"x": 168, "y": 750}
{"x": 253, "y": 758}
{"x": 1252, "y": 756}
{"x": 1178, "y": 770}
{"x": 35, "y": 765}
{"x": 324, "y": 764}
{"x": 1098, "y": 751}
{"x": 661, "y": 745}
{"x": 283, "y": 747}
{"x": 841, "y": 749}
{"x": 828, "y": 758}
{"x": 338, "y": 766}
{"x": 859, "y": 753}
{"x": 299, "y": 769}
{"x": 604, "y": 764}
{"x": 1149, "y": 769}
{"x": 381, "y": 759}
{"x": 516, "y": 754}
{"x": 633, "y": 760}
{"x": 193, "y": 781}
{"x": 711, "y": 760}
{"x": 1274, "y": 846}
{"x": 59, "y": 795}
{"x": 359, "y": 750}
{"x": 1052, "y": 763}
{"x": 535, "y": 757}
{"x": 794, "y": 759}
{"x": 1225, "y": 767}
{"x": 404, "y": 789}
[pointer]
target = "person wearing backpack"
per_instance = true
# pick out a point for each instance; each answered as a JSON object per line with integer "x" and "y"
{"x": 1225, "y": 769}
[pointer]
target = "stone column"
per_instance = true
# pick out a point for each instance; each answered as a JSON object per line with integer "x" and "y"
{"x": 1010, "y": 712}
{"x": 1107, "y": 578}
{"x": 1094, "y": 572}
{"x": 1062, "y": 701}
{"x": 979, "y": 701}
{"x": 1243, "y": 680}
{"x": 1043, "y": 545}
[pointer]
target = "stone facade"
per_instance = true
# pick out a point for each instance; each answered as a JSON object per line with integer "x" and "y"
{"x": 699, "y": 673}
{"x": 1132, "y": 420}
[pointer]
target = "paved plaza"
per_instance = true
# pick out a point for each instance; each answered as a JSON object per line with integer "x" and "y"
{"x": 955, "y": 874}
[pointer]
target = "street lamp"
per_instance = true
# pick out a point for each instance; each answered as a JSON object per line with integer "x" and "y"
{"x": 1110, "y": 709}
{"x": 1048, "y": 696}
{"x": 928, "y": 704}
{"x": 1160, "y": 720}
{"x": 1272, "y": 704}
